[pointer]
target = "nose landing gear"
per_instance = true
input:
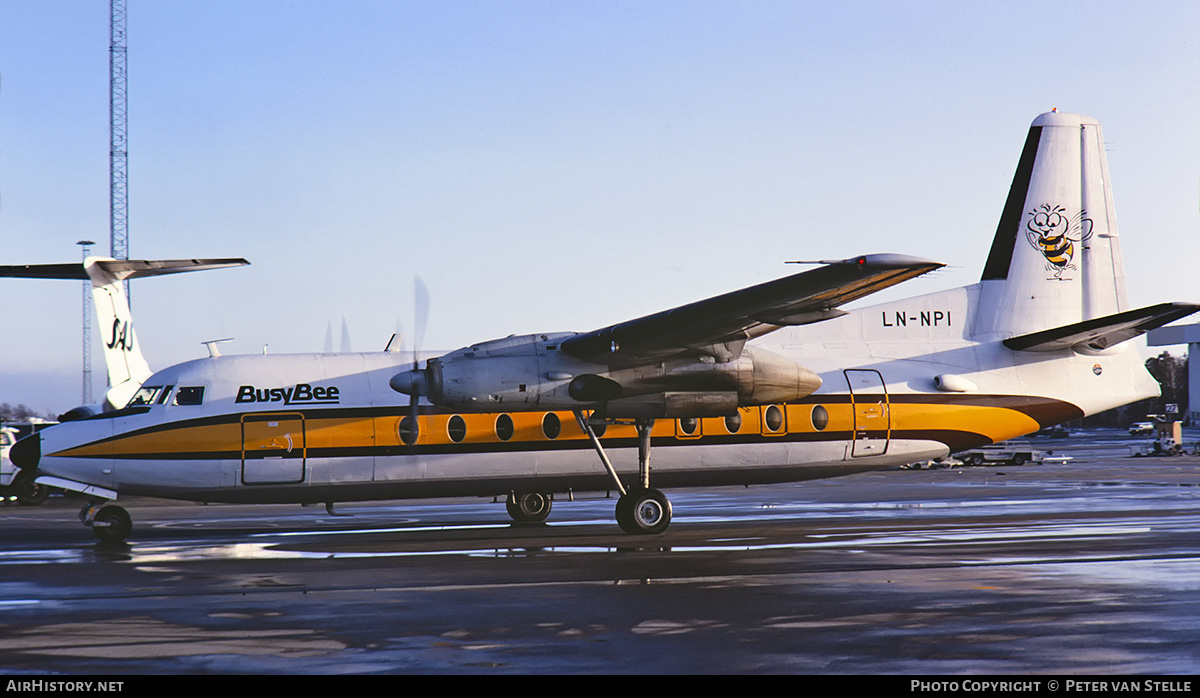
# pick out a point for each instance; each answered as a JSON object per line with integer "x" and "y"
{"x": 109, "y": 523}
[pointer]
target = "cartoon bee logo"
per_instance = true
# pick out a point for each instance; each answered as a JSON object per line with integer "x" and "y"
{"x": 1055, "y": 236}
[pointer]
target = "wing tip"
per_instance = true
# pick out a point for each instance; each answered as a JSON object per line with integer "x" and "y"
{"x": 884, "y": 260}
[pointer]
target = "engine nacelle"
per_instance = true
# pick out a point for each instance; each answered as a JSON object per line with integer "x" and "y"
{"x": 530, "y": 372}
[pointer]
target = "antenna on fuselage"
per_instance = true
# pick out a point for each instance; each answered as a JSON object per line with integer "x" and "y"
{"x": 211, "y": 345}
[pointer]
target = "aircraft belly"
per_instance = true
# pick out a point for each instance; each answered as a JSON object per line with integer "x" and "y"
{"x": 338, "y": 470}
{"x": 580, "y": 469}
{"x": 167, "y": 477}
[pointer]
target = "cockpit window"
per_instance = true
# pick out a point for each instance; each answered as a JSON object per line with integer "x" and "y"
{"x": 190, "y": 395}
{"x": 166, "y": 393}
{"x": 147, "y": 395}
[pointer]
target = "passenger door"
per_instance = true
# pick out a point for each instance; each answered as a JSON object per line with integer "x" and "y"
{"x": 872, "y": 412}
{"x": 273, "y": 448}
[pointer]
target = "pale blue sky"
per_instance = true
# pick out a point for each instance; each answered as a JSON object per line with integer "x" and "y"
{"x": 553, "y": 165}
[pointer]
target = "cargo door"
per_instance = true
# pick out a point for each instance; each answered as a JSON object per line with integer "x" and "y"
{"x": 273, "y": 448}
{"x": 872, "y": 412}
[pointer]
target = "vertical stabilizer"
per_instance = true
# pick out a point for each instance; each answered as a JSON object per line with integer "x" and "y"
{"x": 1055, "y": 259}
{"x": 127, "y": 367}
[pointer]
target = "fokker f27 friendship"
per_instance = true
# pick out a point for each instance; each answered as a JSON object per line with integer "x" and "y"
{"x": 771, "y": 383}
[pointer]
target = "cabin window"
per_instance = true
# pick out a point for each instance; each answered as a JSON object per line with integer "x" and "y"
{"x": 504, "y": 427}
{"x": 190, "y": 395}
{"x": 733, "y": 423}
{"x": 551, "y": 426}
{"x": 407, "y": 430}
{"x": 456, "y": 428}
{"x": 688, "y": 425}
{"x": 820, "y": 418}
{"x": 146, "y": 395}
{"x": 774, "y": 418}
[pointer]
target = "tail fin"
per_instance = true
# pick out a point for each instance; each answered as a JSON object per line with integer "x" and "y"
{"x": 1056, "y": 257}
{"x": 127, "y": 367}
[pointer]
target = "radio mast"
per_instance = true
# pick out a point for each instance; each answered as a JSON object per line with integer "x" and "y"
{"x": 118, "y": 155}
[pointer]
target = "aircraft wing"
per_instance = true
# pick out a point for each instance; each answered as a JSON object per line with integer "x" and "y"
{"x": 719, "y": 326}
{"x": 1103, "y": 332}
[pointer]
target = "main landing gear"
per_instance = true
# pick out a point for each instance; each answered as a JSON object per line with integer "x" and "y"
{"x": 640, "y": 510}
{"x": 532, "y": 507}
{"x": 643, "y": 511}
{"x": 109, "y": 522}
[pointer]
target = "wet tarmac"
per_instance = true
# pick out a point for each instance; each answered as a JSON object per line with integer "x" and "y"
{"x": 1091, "y": 566}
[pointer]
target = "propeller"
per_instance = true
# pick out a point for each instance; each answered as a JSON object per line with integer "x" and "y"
{"x": 414, "y": 382}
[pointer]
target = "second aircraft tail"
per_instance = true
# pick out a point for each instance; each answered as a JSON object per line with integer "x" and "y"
{"x": 127, "y": 367}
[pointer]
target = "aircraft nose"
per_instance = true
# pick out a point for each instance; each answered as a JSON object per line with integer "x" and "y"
{"x": 26, "y": 453}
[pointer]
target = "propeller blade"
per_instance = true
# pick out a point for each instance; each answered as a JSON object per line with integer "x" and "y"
{"x": 421, "y": 313}
{"x": 414, "y": 411}
{"x": 417, "y": 379}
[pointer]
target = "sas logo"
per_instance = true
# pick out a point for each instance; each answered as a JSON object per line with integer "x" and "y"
{"x": 301, "y": 393}
{"x": 122, "y": 335}
{"x": 1055, "y": 236}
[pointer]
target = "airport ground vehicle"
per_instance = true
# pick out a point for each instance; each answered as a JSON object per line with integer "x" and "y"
{"x": 1009, "y": 452}
{"x": 24, "y": 490}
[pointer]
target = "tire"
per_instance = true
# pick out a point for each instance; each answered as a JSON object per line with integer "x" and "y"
{"x": 644, "y": 512}
{"x": 532, "y": 507}
{"x": 1017, "y": 460}
{"x": 114, "y": 524}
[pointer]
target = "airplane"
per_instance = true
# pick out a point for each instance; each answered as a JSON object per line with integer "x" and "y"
{"x": 767, "y": 384}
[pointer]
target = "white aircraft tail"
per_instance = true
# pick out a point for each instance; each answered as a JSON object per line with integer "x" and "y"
{"x": 1054, "y": 277}
{"x": 127, "y": 367}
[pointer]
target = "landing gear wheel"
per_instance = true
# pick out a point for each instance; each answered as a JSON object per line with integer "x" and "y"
{"x": 532, "y": 507}
{"x": 112, "y": 524}
{"x": 29, "y": 492}
{"x": 644, "y": 512}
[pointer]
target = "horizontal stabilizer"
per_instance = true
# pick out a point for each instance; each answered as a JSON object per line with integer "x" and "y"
{"x": 1103, "y": 332}
{"x": 118, "y": 268}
